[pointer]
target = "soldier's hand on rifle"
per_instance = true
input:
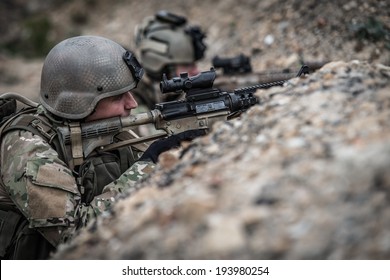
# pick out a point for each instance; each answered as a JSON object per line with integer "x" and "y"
{"x": 171, "y": 142}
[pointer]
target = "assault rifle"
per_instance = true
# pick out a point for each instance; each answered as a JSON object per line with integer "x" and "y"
{"x": 237, "y": 72}
{"x": 200, "y": 109}
{"x": 241, "y": 64}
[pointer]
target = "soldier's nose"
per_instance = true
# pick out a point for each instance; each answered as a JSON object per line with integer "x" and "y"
{"x": 130, "y": 102}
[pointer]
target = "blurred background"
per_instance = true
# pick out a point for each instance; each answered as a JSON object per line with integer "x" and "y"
{"x": 276, "y": 34}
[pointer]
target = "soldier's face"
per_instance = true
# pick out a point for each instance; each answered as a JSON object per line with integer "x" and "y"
{"x": 115, "y": 106}
{"x": 191, "y": 69}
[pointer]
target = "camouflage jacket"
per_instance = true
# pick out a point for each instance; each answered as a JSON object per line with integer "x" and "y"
{"x": 44, "y": 189}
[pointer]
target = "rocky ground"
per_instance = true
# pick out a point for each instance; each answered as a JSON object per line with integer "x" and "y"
{"x": 304, "y": 175}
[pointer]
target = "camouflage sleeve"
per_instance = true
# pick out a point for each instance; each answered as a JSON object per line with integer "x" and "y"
{"x": 44, "y": 188}
{"x": 126, "y": 181}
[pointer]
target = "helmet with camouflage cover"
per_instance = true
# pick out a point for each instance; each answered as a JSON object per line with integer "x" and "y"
{"x": 165, "y": 40}
{"x": 80, "y": 71}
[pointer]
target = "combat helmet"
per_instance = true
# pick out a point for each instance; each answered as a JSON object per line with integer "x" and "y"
{"x": 165, "y": 39}
{"x": 80, "y": 71}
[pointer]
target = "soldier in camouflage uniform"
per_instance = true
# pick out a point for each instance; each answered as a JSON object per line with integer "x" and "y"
{"x": 165, "y": 44}
{"x": 45, "y": 194}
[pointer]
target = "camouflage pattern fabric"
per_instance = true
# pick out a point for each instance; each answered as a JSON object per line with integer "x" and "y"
{"x": 44, "y": 189}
